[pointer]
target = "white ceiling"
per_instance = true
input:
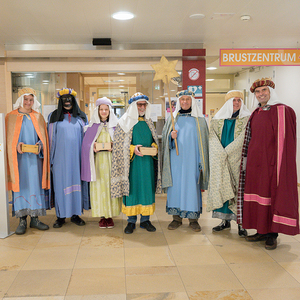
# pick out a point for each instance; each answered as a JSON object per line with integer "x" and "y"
{"x": 74, "y": 23}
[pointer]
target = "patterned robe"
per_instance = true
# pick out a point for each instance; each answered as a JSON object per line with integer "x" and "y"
{"x": 224, "y": 165}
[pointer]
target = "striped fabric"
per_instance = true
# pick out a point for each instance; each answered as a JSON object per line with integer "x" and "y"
{"x": 240, "y": 197}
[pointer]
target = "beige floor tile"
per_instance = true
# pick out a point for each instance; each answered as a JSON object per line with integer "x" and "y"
{"x": 97, "y": 281}
{"x": 283, "y": 238}
{"x": 103, "y": 239}
{"x": 243, "y": 253}
{"x": 6, "y": 279}
{"x": 159, "y": 296}
{"x": 153, "y": 280}
{"x": 12, "y": 259}
{"x": 40, "y": 283}
{"x": 209, "y": 278}
{"x": 185, "y": 237}
{"x": 27, "y": 241}
{"x": 293, "y": 268}
{"x": 220, "y": 295}
{"x": 51, "y": 258}
{"x": 147, "y": 257}
{"x": 275, "y": 294}
{"x": 263, "y": 275}
{"x": 102, "y": 257}
{"x": 286, "y": 252}
{"x": 97, "y": 297}
{"x": 57, "y": 238}
{"x": 226, "y": 237}
{"x": 297, "y": 237}
{"x": 195, "y": 255}
{"x": 138, "y": 240}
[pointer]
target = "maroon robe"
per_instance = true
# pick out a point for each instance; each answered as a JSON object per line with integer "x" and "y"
{"x": 271, "y": 194}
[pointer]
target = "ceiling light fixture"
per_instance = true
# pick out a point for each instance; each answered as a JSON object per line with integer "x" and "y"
{"x": 245, "y": 18}
{"x": 210, "y": 79}
{"x": 197, "y": 16}
{"x": 121, "y": 74}
{"x": 211, "y": 68}
{"x": 123, "y": 15}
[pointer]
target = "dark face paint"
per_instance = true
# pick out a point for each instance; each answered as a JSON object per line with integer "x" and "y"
{"x": 67, "y": 101}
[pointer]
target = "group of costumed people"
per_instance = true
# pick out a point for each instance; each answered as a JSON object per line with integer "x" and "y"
{"x": 247, "y": 162}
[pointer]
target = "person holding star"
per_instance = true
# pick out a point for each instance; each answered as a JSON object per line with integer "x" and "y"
{"x": 186, "y": 173}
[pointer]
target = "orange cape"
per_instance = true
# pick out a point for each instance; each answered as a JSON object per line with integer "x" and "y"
{"x": 13, "y": 123}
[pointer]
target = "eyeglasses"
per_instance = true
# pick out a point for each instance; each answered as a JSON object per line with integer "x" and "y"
{"x": 142, "y": 104}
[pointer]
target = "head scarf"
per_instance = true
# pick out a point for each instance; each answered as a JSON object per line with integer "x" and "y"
{"x": 25, "y": 92}
{"x": 58, "y": 114}
{"x": 113, "y": 120}
{"x": 130, "y": 118}
{"x": 254, "y": 103}
{"x": 196, "y": 112}
{"x": 226, "y": 110}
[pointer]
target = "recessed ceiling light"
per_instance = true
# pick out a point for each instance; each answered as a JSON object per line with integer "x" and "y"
{"x": 123, "y": 15}
{"x": 209, "y": 79}
{"x": 121, "y": 74}
{"x": 245, "y": 18}
{"x": 197, "y": 16}
{"x": 211, "y": 68}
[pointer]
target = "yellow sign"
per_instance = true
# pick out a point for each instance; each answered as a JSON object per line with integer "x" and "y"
{"x": 259, "y": 57}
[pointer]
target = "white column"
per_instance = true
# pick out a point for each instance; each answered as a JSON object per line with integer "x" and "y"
{"x": 4, "y": 208}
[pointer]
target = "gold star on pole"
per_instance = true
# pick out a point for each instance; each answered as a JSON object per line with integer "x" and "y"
{"x": 165, "y": 70}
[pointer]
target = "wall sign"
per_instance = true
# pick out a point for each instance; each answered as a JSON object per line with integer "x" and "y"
{"x": 194, "y": 74}
{"x": 196, "y": 89}
{"x": 259, "y": 57}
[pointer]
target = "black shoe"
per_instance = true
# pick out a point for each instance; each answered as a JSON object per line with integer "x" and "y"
{"x": 256, "y": 237}
{"x": 148, "y": 226}
{"x": 21, "y": 229}
{"x": 36, "y": 223}
{"x": 271, "y": 243}
{"x": 242, "y": 232}
{"x": 223, "y": 225}
{"x": 129, "y": 228}
{"x": 59, "y": 223}
{"x": 77, "y": 220}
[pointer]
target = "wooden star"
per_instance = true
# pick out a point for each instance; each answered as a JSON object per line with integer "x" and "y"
{"x": 165, "y": 70}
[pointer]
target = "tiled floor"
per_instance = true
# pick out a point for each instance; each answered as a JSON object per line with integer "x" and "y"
{"x": 84, "y": 263}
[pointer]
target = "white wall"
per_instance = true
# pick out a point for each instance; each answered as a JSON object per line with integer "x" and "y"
{"x": 287, "y": 87}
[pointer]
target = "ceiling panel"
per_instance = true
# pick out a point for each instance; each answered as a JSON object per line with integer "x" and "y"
{"x": 273, "y": 23}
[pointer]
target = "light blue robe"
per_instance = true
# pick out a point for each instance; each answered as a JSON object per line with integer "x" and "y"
{"x": 68, "y": 192}
{"x": 31, "y": 198}
{"x": 184, "y": 196}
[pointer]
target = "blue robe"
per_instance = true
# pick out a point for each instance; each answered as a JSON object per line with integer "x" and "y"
{"x": 68, "y": 193}
{"x": 31, "y": 198}
{"x": 184, "y": 196}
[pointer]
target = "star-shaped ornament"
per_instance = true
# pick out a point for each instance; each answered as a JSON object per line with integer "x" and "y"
{"x": 165, "y": 70}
